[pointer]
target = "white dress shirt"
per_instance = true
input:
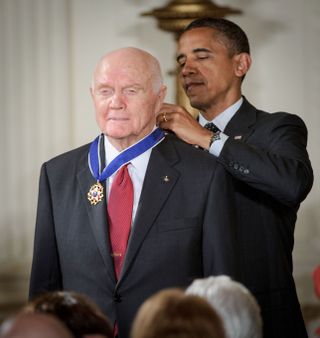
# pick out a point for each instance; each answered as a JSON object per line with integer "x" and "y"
{"x": 137, "y": 170}
{"x": 221, "y": 122}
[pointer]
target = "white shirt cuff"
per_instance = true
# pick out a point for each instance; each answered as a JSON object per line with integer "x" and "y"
{"x": 217, "y": 145}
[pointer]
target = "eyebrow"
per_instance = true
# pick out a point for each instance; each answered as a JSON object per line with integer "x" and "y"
{"x": 134, "y": 85}
{"x": 195, "y": 51}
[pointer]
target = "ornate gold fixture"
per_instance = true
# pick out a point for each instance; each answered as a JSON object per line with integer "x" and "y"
{"x": 176, "y": 15}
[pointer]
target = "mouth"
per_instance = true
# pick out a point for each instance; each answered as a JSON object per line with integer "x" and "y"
{"x": 192, "y": 85}
{"x": 117, "y": 119}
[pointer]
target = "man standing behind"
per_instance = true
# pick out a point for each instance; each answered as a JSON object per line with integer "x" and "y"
{"x": 154, "y": 217}
{"x": 265, "y": 154}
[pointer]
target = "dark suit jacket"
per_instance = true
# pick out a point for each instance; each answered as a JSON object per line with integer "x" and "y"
{"x": 181, "y": 230}
{"x": 266, "y": 155}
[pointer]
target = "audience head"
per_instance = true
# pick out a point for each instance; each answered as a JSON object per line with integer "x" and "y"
{"x": 34, "y": 325}
{"x": 80, "y": 314}
{"x": 127, "y": 92}
{"x": 172, "y": 314}
{"x": 233, "y": 302}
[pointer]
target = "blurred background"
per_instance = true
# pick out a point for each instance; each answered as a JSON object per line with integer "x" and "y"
{"x": 48, "y": 50}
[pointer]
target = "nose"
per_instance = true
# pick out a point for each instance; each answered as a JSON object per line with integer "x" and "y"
{"x": 117, "y": 101}
{"x": 188, "y": 68}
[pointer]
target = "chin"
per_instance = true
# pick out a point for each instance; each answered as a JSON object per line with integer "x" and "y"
{"x": 116, "y": 132}
{"x": 117, "y": 136}
{"x": 199, "y": 104}
{"x": 196, "y": 104}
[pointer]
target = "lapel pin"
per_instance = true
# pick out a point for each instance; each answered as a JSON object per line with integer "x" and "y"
{"x": 238, "y": 137}
{"x": 166, "y": 178}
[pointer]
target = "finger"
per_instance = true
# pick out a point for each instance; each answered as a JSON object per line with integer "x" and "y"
{"x": 162, "y": 118}
{"x": 168, "y": 108}
{"x": 165, "y": 117}
{"x": 168, "y": 105}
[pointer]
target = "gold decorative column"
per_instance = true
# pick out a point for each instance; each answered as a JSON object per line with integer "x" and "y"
{"x": 176, "y": 15}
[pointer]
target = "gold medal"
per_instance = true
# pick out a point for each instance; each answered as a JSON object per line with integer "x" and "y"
{"x": 95, "y": 194}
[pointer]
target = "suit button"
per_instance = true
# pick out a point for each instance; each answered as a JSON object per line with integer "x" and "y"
{"x": 236, "y": 166}
{"x": 231, "y": 164}
{"x": 241, "y": 169}
{"x": 246, "y": 171}
{"x": 116, "y": 298}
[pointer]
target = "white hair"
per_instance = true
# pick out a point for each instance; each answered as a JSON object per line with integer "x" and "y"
{"x": 234, "y": 303}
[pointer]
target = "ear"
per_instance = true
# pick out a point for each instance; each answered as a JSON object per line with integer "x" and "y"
{"x": 91, "y": 91}
{"x": 162, "y": 93}
{"x": 242, "y": 64}
{"x": 161, "y": 96}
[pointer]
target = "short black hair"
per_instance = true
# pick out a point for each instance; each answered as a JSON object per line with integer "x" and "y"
{"x": 234, "y": 38}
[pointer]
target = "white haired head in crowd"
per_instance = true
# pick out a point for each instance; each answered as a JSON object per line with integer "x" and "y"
{"x": 235, "y": 304}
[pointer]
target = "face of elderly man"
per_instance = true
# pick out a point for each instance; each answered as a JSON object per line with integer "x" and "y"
{"x": 127, "y": 92}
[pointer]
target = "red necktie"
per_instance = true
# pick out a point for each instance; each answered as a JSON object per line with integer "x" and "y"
{"x": 120, "y": 215}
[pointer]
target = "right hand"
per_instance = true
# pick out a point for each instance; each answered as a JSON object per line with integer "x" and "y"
{"x": 178, "y": 120}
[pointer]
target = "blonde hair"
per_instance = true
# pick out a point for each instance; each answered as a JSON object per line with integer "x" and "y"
{"x": 172, "y": 314}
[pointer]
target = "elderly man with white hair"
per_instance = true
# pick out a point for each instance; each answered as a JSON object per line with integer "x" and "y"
{"x": 136, "y": 210}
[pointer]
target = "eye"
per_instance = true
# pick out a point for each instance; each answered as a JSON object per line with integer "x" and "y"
{"x": 181, "y": 62}
{"x": 104, "y": 92}
{"x": 130, "y": 91}
{"x": 202, "y": 56}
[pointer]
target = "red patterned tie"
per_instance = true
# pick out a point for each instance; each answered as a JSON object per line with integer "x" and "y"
{"x": 120, "y": 215}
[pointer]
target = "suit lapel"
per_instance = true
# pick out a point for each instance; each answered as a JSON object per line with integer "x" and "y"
{"x": 98, "y": 218}
{"x": 160, "y": 179}
{"x": 241, "y": 125}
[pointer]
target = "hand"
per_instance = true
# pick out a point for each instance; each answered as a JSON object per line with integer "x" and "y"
{"x": 179, "y": 121}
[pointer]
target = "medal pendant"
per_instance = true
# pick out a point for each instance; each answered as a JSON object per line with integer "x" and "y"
{"x": 95, "y": 194}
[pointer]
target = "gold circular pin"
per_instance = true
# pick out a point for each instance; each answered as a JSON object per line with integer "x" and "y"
{"x": 95, "y": 194}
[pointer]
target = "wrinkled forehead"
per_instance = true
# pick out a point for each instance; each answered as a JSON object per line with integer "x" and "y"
{"x": 123, "y": 70}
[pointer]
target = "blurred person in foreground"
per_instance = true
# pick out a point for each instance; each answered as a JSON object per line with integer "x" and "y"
{"x": 234, "y": 303}
{"x": 34, "y": 325}
{"x": 172, "y": 314}
{"x": 136, "y": 210}
{"x": 83, "y": 317}
{"x": 264, "y": 153}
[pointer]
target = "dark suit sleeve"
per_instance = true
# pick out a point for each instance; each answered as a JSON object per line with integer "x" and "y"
{"x": 219, "y": 232}
{"x": 273, "y": 159}
{"x": 45, "y": 272}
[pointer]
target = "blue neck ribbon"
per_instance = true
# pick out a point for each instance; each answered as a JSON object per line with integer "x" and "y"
{"x": 123, "y": 158}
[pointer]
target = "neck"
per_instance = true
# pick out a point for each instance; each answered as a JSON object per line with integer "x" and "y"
{"x": 121, "y": 145}
{"x": 124, "y": 143}
{"x": 218, "y": 107}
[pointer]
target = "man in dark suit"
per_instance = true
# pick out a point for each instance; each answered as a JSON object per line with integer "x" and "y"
{"x": 180, "y": 227}
{"x": 264, "y": 153}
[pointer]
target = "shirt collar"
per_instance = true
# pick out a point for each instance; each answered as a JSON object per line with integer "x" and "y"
{"x": 139, "y": 163}
{"x": 224, "y": 117}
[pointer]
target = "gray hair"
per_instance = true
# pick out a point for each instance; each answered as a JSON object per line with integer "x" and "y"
{"x": 234, "y": 303}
